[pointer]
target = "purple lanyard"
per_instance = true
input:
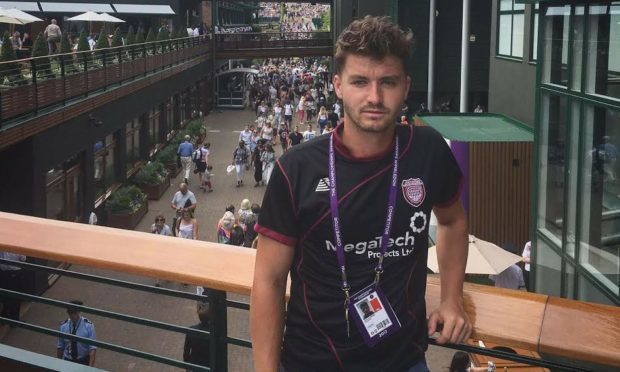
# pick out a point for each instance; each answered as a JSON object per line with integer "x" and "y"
{"x": 333, "y": 198}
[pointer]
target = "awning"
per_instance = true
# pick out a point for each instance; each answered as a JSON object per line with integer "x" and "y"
{"x": 479, "y": 127}
{"x": 143, "y": 9}
{"x": 75, "y": 7}
{"x": 27, "y": 7}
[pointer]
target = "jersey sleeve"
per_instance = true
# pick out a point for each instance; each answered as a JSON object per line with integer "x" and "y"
{"x": 278, "y": 219}
{"x": 92, "y": 335}
{"x": 447, "y": 175}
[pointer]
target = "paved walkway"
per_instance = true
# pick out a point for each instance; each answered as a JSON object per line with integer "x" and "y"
{"x": 223, "y": 132}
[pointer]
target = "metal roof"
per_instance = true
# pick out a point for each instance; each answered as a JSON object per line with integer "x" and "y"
{"x": 479, "y": 127}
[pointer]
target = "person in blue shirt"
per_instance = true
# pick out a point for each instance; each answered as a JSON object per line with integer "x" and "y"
{"x": 75, "y": 351}
{"x": 185, "y": 151}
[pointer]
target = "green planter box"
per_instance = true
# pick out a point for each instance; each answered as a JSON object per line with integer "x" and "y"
{"x": 128, "y": 221}
{"x": 154, "y": 192}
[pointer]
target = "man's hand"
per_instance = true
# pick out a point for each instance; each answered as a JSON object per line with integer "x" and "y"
{"x": 456, "y": 326}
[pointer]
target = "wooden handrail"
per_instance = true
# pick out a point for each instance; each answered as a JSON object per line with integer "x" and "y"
{"x": 572, "y": 329}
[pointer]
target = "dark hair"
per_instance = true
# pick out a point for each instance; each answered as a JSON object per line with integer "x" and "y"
{"x": 460, "y": 362}
{"x": 255, "y": 208}
{"x": 374, "y": 37}
{"x": 74, "y": 309}
{"x": 230, "y": 208}
{"x": 237, "y": 237}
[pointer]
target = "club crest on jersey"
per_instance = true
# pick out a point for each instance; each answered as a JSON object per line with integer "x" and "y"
{"x": 414, "y": 191}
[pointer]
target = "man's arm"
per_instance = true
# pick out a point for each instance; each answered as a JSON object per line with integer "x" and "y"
{"x": 273, "y": 260}
{"x": 92, "y": 354}
{"x": 452, "y": 247}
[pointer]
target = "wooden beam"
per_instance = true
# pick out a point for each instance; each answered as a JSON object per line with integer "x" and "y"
{"x": 572, "y": 329}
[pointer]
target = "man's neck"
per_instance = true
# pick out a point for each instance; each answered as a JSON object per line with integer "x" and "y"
{"x": 363, "y": 144}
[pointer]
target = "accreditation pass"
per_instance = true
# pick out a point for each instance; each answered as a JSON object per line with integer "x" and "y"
{"x": 373, "y": 314}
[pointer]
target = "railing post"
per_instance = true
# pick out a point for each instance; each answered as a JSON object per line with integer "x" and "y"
{"x": 33, "y": 70}
{"x": 219, "y": 331}
{"x": 105, "y": 68}
{"x": 61, "y": 59}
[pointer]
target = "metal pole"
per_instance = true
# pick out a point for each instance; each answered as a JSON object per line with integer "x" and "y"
{"x": 430, "y": 104}
{"x": 465, "y": 57}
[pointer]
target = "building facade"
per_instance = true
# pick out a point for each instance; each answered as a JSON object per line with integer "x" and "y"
{"x": 576, "y": 238}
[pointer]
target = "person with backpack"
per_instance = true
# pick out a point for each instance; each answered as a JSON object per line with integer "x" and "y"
{"x": 200, "y": 158}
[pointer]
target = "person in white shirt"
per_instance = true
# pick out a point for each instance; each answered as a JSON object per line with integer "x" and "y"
{"x": 288, "y": 113}
{"x": 527, "y": 252}
{"x": 309, "y": 134}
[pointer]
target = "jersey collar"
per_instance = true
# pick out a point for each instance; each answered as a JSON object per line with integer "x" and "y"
{"x": 344, "y": 151}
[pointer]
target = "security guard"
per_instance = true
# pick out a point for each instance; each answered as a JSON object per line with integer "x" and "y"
{"x": 72, "y": 350}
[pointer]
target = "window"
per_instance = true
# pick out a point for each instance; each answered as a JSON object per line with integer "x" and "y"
{"x": 154, "y": 136}
{"x": 105, "y": 174}
{"x": 555, "y": 70}
{"x": 551, "y": 165}
{"x": 603, "y": 50}
{"x": 599, "y": 250}
{"x": 510, "y": 30}
{"x": 132, "y": 145}
{"x": 534, "y": 34}
{"x": 548, "y": 265}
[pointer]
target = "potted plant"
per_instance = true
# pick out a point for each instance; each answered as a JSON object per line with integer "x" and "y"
{"x": 126, "y": 207}
{"x": 168, "y": 157}
{"x": 153, "y": 179}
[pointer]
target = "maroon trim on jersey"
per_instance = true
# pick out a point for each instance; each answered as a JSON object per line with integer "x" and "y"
{"x": 359, "y": 185}
{"x": 330, "y": 342}
{"x": 290, "y": 188}
{"x": 454, "y": 197}
{"x": 341, "y": 148}
{"x": 286, "y": 240}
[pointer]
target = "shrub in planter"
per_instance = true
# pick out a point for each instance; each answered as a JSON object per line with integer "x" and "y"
{"x": 10, "y": 70}
{"x": 126, "y": 200}
{"x": 41, "y": 61}
{"x": 152, "y": 173}
{"x": 153, "y": 179}
{"x": 194, "y": 128}
{"x": 168, "y": 157}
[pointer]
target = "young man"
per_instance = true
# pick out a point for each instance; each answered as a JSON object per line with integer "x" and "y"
{"x": 363, "y": 192}
{"x": 240, "y": 161}
{"x": 309, "y": 134}
{"x": 295, "y": 137}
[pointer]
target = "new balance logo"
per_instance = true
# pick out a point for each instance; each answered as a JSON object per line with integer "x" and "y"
{"x": 323, "y": 185}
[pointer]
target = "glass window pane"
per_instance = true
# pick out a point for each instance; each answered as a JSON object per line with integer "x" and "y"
{"x": 588, "y": 292}
{"x": 55, "y": 200}
{"x": 556, "y": 45}
{"x": 603, "y": 64}
{"x": 577, "y": 58}
{"x": 600, "y": 208}
{"x": 505, "y": 4}
{"x": 519, "y": 6}
{"x": 571, "y": 187}
{"x": 548, "y": 270}
{"x": 517, "y": 35}
{"x": 551, "y": 165}
{"x": 569, "y": 281}
{"x": 505, "y": 34}
{"x": 535, "y": 39}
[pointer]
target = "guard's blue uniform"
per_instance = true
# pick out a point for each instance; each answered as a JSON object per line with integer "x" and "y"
{"x": 83, "y": 328}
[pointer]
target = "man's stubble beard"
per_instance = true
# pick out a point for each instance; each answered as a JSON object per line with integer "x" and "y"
{"x": 356, "y": 120}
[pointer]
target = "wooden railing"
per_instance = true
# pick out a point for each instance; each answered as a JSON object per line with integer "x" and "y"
{"x": 572, "y": 329}
{"x": 32, "y": 84}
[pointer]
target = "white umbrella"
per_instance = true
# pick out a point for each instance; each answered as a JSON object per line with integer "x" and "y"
{"x": 89, "y": 16}
{"x": 6, "y": 17}
{"x": 110, "y": 18}
{"x": 23, "y": 16}
{"x": 483, "y": 258}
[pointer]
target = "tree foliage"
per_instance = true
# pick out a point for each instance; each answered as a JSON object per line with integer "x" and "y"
{"x": 40, "y": 55}
{"x": 10, "y": 70}
{"x": 83, "y": 47}
{"x": 139, "y": 36}
{"x": 130, "y": 39}
{"x": 117, "y": 39}
{"x": 150, "y": 38}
